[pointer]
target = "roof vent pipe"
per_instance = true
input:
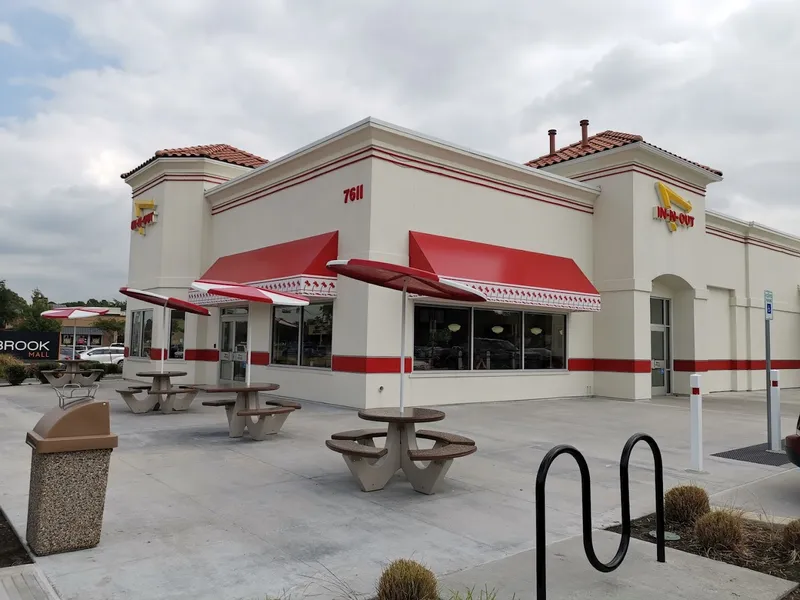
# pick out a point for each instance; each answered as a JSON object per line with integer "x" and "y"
{"x": 584, "y": 132}
{"x": 552, "y": 134}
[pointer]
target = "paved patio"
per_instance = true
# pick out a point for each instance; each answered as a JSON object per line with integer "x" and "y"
{"x": 191, "y": 513}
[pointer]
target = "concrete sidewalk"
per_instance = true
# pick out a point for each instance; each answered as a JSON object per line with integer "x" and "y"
{"x": 571, "y": 577}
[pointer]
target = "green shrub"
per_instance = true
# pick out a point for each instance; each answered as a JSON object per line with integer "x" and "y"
{"x": 93, "y": 364}
{"x": 16, "y": 374}
{"x": 406, "y": 579}
{"x": 791, "y": 536}
{"x": 35, "y": 369}
{"x": 6, "y": 360}
{"x": 111, "y": 369}
{"x": 685, "y": 504}
{"x": 720, "y": 530}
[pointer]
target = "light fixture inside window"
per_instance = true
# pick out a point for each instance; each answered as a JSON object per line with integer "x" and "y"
{"x": 498, "y": 329}
{"x": 454, "y": 327}
{"x": 536, "y": 330}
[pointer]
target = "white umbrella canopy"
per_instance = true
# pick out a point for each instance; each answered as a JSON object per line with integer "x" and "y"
{"x": 75, "y": 312}
{"x": 250, "y": 293}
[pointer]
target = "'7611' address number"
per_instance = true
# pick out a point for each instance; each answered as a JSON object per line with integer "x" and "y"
{"x": 354, "y": 193}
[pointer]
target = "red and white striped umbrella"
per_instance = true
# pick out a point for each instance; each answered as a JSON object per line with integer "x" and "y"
{"x": 75, "y": 312}
{"x": 250, "y": 293}
{"x": 167, "y": 303}
{"x": 407, "y": 280}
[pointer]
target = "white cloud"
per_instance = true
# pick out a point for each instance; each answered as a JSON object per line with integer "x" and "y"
{"x": 270, "y": 76}
{"x": 7, "y": 35}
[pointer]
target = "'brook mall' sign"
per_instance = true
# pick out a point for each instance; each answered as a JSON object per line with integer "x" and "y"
{"x": 29, "y": 345}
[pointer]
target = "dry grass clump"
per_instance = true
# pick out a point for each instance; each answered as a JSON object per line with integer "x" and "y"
{"x": 791, "y": 536}
{"x": 686, "y": 504}
{"x": 407, "y": 579}
{"x": 720, "y": 531}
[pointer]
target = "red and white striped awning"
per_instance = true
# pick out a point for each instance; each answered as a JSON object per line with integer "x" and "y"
{"x": 76, "y": 312}
{"x": 249, "y": 293}
{"x": 506, "y": 275}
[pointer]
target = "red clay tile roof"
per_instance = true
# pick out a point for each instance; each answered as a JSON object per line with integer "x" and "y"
{"x": 605, "y": 140}
{"x": 221, "y": 152}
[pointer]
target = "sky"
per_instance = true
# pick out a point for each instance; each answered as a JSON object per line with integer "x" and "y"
{"x": 91, "y": 88}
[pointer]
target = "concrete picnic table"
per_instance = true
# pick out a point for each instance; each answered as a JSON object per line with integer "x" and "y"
{"x": 373, "y": 467}
{"x": 72, "y": 373}
{"x": 161, "y": 394}
{"x": 244, "y": 412}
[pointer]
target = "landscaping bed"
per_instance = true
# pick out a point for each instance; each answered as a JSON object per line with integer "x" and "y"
{"x": 761, "y": 549}
{"x": 12, "y": 552}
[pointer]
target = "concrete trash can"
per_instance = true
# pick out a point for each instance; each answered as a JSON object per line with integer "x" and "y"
{"x": 69, "y": 475}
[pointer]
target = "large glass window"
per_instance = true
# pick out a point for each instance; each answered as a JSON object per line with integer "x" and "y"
{"x": 317, "y": 335}
{"x": 303, "y": 336}
{"x": 141, "y": 333}
{"x": 496, "y": 340}
{"x": 177, "y": 324}
{"x": 441, "y": 338}
{"x": 453, "y": 338}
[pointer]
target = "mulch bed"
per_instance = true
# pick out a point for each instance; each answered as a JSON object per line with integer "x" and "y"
{"x": 12, "y": 552}
{"x": 761, "y": 550}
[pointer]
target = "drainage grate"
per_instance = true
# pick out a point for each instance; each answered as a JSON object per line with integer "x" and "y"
{"x": 757, "y": 454}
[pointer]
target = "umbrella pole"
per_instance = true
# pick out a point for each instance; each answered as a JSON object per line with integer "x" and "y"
{"x": 166, "y": 342}
{"x": 74, "y": 339}
{"x": 249, "y": 343}
{"x": 403, "y": 345}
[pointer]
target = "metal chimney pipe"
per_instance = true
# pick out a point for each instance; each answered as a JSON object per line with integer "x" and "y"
{"x": 552, "y": 134}
{"x": 584, "y": 132}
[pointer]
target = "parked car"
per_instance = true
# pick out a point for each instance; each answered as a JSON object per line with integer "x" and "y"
{"x": 117, "y": 345}
{"x": 108, "y": 354}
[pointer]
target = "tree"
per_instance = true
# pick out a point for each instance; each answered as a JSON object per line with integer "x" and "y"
{"x": 12, "y": 306}
{"x": 33, "y": 321}
{"x": 113, "y": 326}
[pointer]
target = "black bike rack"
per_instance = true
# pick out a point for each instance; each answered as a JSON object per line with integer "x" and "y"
{"x": 586, "y": 508}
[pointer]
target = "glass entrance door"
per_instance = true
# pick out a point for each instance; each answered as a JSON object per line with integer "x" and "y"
{"x": 660, "y": 356}
{"x": 233, "y": 345}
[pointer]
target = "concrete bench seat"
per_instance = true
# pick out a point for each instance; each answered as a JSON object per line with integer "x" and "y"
{"x": 355, "y": 450}
{"x": 282, "y": 402}
{"x": 265, "y": 412}
{"x": 359, "y": 435}
{"x": 224, "y": 402}
{"x": 173, "y": 399}
{"x": 442, "y": 437}
{"x": 442, "y": 453}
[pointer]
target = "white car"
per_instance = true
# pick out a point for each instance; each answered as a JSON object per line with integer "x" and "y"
{"x": 111, "y": 355}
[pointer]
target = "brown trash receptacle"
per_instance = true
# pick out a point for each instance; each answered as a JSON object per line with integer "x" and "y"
{"x": 69, "y": 475}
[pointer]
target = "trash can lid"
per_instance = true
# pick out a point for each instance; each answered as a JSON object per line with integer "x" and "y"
{"x": 80, "y": 426}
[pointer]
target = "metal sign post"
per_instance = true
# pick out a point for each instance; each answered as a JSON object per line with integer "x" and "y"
{"x": 768, "y": 312}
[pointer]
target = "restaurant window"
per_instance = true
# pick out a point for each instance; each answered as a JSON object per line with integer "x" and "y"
{"x": 141, "y": 333}
{"x": 303, "y": 336}
{"x": 453, "y": 338}
{"x": 441, "y": 338}
{"x": 177, "y": 324}
{"x": 497, "y": 340}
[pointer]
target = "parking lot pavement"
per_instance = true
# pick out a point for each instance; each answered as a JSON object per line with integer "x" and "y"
{"x": 191, "y": 510}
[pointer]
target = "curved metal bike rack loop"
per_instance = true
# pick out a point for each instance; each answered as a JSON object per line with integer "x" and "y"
{"x": 586, "y": 508}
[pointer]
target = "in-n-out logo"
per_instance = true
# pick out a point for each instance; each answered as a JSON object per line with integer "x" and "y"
{"x": 145, "y": 215}
{"x": 669, "y": 199}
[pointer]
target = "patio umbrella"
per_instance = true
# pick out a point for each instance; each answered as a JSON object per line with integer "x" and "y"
{"x": 251, "y": 294}
{"x": 409, "y": 281}
{"x": 77, "y": 312}
{"x": 167, "y": 303}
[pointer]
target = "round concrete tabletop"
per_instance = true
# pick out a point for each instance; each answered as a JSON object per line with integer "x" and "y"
{"x": 161, "y": 374}
{"x": 234, "y": 387}
{"x": 393, "y": 415}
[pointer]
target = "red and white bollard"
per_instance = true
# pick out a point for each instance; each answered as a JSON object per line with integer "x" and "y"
{"x": 696, "y": 424}
{"x": 774, "y": 412}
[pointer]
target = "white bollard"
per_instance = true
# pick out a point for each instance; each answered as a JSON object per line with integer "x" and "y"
{"x": 696, "y": 423}
{"x": 775, "y": 411}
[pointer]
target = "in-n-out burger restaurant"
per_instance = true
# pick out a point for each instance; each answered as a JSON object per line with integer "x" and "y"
{"x": 605, "y": 273}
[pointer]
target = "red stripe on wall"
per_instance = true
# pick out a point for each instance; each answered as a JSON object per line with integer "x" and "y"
{"x": 701, "y": 366}
{"x": 368, "y": 364}
{"x": 610, "y": 365}
{"x": 642, "y": 170}
{"x": 203, "y": 354}
{"x": 127, "y": 352}
{"x": 155, "y": 353}
{"x": 177, "y": 177}
{"x": 260, "y": 358}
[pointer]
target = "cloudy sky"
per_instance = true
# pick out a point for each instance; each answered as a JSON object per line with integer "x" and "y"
{"x": 91, "y": 88}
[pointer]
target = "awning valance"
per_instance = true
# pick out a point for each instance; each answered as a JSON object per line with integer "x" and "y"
{"x": 506, "y": 275}
{"x": 296, "y": 267}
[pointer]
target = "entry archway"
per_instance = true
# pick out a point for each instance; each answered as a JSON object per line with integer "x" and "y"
{"x": 671, "y": 332}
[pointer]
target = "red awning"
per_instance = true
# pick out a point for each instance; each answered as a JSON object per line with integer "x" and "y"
{"x": 296, "y": 267}
{"x": 507, "y": 275}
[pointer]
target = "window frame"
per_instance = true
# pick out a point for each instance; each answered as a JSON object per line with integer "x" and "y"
{"x": 491, "y": 372}
{"x": 300, "y": 323}
{"x": 169, "y": 335}
{"x": 140, "y": 338}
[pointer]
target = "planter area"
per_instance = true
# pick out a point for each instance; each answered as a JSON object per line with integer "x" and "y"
{"x": 12, "y": 552}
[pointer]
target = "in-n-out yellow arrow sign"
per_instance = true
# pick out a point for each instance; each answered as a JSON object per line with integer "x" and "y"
{"x": 666, "y": 213}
